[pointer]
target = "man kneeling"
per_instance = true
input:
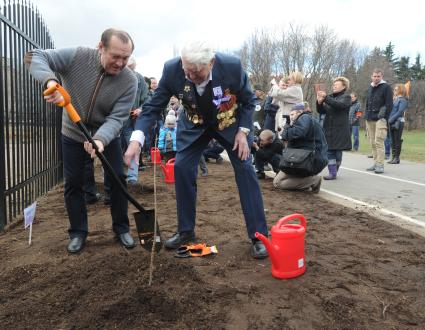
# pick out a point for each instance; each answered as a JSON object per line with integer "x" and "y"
{"x": 303, "y": 132}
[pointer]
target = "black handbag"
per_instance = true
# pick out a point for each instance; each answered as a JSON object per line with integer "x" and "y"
{"x": 302, "y": 162}
{"x": 298, "y": 162}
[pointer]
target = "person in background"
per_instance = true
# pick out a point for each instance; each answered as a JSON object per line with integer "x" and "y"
{"x": 211, "y": 86}
{"x": 213, "y": 151}
{"x": 259, "y": 109}
{"x": 167, "y": 142}
{"x": 354, "y": 117}
{"x": 303, "y": 132}
{"x": 379, "y": 102}
{"x": 141, "y": 96}
{"x": 336, "y": 107}
{"x": 102, "y": 89}
{"x": 396, "y": 121}
{"x": 268, "y": 149}
{"x": 287, "y": 95}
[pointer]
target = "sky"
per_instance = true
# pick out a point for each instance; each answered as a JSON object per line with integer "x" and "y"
{"x": 159, "y": 28}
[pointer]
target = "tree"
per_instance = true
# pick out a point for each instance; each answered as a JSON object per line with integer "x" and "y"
{"x": 403, "y": 72}
{"x": 389, "y": 55}
{"x": 418, "y": 73}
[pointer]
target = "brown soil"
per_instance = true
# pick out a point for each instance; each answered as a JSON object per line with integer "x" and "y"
{"x": 362, "y": 273}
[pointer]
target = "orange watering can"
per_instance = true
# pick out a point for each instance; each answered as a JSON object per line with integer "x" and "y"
{"x": 168, "y": 170}
{"x": 286, "y": 247}
{"x": 155, "y": 156}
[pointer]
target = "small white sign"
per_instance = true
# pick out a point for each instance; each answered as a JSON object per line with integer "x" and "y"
{"x": 29, "y": 214}
{"x": 301, "y": 263}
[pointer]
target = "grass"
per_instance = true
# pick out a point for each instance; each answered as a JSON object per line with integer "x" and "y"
{"x": 413, "y": 148}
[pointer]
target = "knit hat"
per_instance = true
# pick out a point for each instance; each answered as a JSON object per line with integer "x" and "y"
{"x": 298, "y": 106}
{"x": 170, "y": 121}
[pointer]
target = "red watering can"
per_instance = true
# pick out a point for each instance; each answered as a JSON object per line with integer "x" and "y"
{"x": 155, "y": 156}
{"x": 168, "y": 170}
{"x": 286, "y": 247}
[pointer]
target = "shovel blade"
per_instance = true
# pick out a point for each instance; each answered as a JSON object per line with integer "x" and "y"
{"x": 145, "y": 224}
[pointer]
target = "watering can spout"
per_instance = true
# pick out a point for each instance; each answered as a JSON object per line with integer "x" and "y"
{"x": 269, "y": 247}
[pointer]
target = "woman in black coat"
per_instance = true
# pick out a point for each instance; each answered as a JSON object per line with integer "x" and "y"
{"x": 336, "y": 107}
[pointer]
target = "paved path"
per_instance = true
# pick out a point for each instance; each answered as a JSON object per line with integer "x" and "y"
{"x": 397, "y": 195}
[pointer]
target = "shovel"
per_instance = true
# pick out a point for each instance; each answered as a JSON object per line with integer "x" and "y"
{"x": 145, "y": 218}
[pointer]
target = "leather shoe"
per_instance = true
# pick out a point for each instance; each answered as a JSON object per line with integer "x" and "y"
{"x": 258, "y": 250}
{"x": 76, "y": 244}
{"x": 94, "y": 199}
{"x": 179, "y": 239}
{"x": 126, "y": 240}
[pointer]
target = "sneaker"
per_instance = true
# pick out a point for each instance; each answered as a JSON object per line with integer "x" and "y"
{"x": 219, "y": 160}
{"x": 379, "y": 169}
{"x": 316, "y": 187}
{"x": 372, "y": 168}
{"x": 267, "y": 167}
{"x": 370, "y": 156}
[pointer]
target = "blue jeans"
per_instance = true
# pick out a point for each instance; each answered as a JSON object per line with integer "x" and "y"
{"x": 355, "y": 134}
{"x": 74, "y": 156}
{"x": 335, "y": 157}
{"x": 133, "y": 169}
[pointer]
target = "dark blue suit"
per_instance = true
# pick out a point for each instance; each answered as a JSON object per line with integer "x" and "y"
{"x": 192, "y": 139}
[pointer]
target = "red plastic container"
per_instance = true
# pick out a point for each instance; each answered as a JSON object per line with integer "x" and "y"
{"x": 155, "y": 156}
{"x": 286, "y": 247}
{"x": 168, "y": 170}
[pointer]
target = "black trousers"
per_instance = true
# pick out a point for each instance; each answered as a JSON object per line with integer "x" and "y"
{"x": 74, "y": 159}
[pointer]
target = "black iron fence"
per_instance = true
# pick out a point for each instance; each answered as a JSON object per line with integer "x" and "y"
{"x": 30, "y": 155}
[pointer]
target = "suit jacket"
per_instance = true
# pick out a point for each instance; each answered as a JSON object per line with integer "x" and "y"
{"x": 227, "y": 73}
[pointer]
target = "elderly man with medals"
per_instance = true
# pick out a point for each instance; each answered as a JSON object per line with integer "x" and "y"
{"x": 218, "y": 103}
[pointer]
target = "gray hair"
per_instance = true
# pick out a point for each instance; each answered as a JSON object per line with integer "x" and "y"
{"x": 132, "y": 62}
{"x": 197, "y": 52}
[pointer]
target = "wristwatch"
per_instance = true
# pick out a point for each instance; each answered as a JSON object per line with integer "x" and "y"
{"x": 245, "y": 130}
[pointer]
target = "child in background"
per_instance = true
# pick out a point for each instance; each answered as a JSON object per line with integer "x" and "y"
{"x": 167, "y": 138}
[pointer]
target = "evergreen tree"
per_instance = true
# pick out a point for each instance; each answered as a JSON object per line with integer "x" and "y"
{"x": 403, "y": 72}
{"x": 416, "y": 70}
{"x": 390, "y": 56}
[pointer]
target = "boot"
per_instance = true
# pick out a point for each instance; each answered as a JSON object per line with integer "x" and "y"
{"x": 332, "y": 172}
{"x": 338, "y": 164}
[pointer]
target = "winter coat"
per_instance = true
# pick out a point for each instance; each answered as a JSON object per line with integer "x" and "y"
{"x": 286, "y": 99}
{"x": 352, "y": 116}
{"x": 162, "y": 143}
{"x": 336, "y": 125}
{"x": 399, "y": 107}
{"x": 378, "y": 97}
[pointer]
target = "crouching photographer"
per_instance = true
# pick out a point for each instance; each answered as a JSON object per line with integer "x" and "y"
{"x": 305, "y": 155}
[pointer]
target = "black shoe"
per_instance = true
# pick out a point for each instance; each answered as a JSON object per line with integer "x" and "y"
{"x": 94, "y": 200}
{"x": 179, "y": 239}
{"x": 219, "y": 160}
{"x": 76, "y": 244}
{"x": 126, "y": 240}
{"x": 261, "y": 175}
{"x": 258, "y": 250}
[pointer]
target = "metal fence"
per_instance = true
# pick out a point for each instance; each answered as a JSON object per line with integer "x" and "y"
{"x": 30, "y": 155}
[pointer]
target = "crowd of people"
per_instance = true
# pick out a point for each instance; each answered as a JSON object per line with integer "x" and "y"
{"x": 203, "y": 105}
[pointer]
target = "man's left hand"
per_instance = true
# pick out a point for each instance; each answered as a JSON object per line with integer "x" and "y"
{"x": 241, "y": 143}
{"x": 89, "y": 148}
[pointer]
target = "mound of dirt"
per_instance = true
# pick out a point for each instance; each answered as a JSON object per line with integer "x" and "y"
{"x": 362, "y": 273}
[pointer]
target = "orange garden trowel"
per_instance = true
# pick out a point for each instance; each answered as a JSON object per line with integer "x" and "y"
{"x": 145, "y": 218}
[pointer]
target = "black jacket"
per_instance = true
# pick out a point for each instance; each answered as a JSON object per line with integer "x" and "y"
{"x": 378, "y": 97}
{"x": 336, "y": 124}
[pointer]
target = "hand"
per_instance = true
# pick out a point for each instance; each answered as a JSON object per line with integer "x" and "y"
{"x": 92, "y": 151}
{"x": 133, "y": 152}
{"x": 241, "y": 143}
{"x": 136, "y": 112}
{"x": 382, "y": 112}
{"x": 273, "y": 82}
{"x": 255, "y": 145}
{"x": 55, "y": 97}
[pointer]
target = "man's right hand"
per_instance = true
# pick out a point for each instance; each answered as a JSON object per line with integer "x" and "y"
{"x": 133, "y": 152}
{"x": 55, "y": 97}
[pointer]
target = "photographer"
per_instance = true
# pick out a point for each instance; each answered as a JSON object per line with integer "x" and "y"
{"x": 268, "y": 149}
{"x": 303, "y": 132}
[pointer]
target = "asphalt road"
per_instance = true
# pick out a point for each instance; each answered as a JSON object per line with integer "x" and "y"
{"x": 398, "y": 195}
